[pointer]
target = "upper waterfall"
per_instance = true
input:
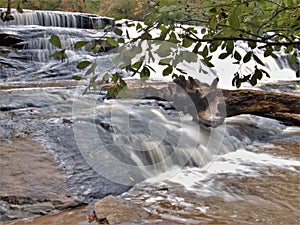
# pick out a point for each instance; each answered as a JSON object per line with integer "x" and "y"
{"x": 58, "y": 19}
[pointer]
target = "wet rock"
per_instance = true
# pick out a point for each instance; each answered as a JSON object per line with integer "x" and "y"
{"x": 31, "y": 182}
{"x": 113, "y": 210}
{"x": 11, "y": 41}
{"x": 41, "y": 175}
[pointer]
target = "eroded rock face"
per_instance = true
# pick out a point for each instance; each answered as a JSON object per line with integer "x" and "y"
{"x": 114, "y": 210}
{"x": 31, "y": 182}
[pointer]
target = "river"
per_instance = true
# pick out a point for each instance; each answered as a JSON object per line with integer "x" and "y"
{"x": 243, "y": 172}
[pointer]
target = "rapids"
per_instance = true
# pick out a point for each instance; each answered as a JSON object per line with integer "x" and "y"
{"x": 243, "y": 172}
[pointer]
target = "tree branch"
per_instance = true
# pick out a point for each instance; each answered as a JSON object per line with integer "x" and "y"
{"x": 266, "y": 42}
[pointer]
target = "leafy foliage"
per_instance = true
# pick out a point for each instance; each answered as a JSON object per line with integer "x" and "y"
{"x": 197, "y": 31}
{"x": 268, "y": 26}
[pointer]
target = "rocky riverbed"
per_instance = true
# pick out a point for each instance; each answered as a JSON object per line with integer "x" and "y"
{"x": 269, "y": 198}
{"x": 43, "y": 171}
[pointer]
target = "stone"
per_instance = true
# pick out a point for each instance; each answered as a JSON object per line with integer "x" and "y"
{"x": 31, "y": 182}
{"x": 11, "y": 41}
{"x": 114, "y": 210}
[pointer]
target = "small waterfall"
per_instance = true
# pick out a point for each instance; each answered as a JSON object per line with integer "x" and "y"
{"x": 136, "y": 138}
{"x": 35, "y": 28}
{"x": 58, "y": 19}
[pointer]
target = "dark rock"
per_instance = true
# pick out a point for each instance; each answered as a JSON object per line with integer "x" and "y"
{"x": 11, "y": 41}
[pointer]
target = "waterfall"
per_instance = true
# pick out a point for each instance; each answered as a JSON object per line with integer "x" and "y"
{"x": 58, "y": 19}
{"x": 136, "y": 138}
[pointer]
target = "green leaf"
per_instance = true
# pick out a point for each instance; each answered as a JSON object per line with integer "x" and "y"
{"x": 234, "y": 20}
{"x": 105, "y": 78}
{"x": 80, "y": 44}
{"x": 223, "y": 55}
{"x": 237, "y": 55}
{"x": 118, "y": 31}
{"x": 187, "y": 42}
{"x": 252, "y": 44}
{"x": 298, "y": 73}
{"x": 164, "y": 49}
{"x": 138, "y": 26}
{"x": 189, "y": 56}
{"x": 196, "y": 48}
{"x": 173, "y": 38}
{"x": 258, "y": 74}
{"x": 134, "y": 51}
{"x": 268, "y": 51}
{"x": 253, "y": 81}
{"x": 76, "y": 77}
{"x": 212, "y": 24}
{"x": 167, "y": 71}
{"x": 258, "y": 60}
{"x": 165, "y": 61}
{"x": 122, "y": 83}
{"x": 112, "y": 41}
{"x": 288, "y": 49}
{"x": 247, "y": 57}
{"x": 55, "y": 41}
{"x": 274, "y": 56}
{"x": 230, "y": 47}
{"x": 145, "y": 73}
{"x": 111, "y": 91}
{"x": 293, "y": 58}
{"x": 58, "y": 54}
{"x": 208, "y": 63}
{"x": 115, "y": 77}
{"x": 214, "y": 46}
{"x": 83, "y": 64}
{"x": 91, "y": 69}
{"x": 121, "y": 40}
{"x": 137, "y": 65}
{"x": 205, "y": 52}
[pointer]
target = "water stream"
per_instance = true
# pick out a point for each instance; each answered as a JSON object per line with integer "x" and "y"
{"x": 243, "y": 172}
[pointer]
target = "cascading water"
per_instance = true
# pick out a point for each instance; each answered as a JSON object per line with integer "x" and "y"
{"x": 58, "y": 19}
{"x": 33, "y": 62}
{"x": 200, "y": 174}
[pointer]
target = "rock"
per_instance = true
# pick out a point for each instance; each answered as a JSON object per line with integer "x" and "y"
{"x": 11, "y": 41}
{"x": 31, "y": 182}
{"x": 114, "y": 210}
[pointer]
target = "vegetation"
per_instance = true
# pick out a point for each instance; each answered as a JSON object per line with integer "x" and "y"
{"x": 196, "y": 30}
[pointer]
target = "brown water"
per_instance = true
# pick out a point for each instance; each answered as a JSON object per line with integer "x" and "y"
{"x": 263, "y": 192}
{"x": 264, "y": 189}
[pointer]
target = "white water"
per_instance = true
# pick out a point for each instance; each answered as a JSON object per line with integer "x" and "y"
{"x": 56, "y": 19}
{"x": 160, "y": 143}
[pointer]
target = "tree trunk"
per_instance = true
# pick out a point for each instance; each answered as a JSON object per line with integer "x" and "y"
{"x": 280, "y": 106}
{"x": 9, "y": 4}
{"x": 211, "y": 106}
